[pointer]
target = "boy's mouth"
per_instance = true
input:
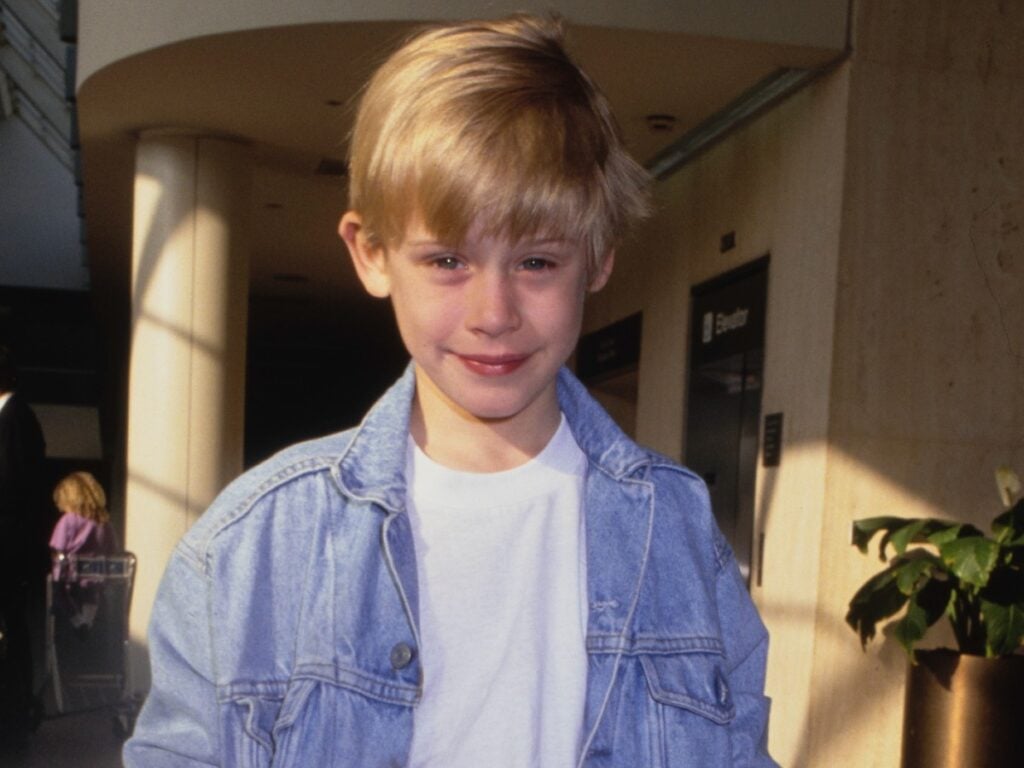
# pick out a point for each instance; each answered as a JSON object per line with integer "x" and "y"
{"x": 493, "y": 365}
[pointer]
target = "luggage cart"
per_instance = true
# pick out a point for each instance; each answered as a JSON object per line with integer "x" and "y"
{"x": 87, "y": 604}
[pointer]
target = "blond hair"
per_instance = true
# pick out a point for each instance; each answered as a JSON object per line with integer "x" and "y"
{"x": 492, "y": 119}
{"x": 82, "y": 494}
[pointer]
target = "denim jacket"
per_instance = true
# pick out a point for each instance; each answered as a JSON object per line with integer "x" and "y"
{"x": 284, "y": 632}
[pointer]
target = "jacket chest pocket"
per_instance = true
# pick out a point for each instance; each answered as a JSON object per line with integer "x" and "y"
{"x": 257, "y": 724}
{"x": 692, "y": 710}
{"x": 312, "y": 722}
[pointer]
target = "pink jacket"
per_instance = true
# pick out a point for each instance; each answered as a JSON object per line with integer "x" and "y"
{"x": 76, "y": 534}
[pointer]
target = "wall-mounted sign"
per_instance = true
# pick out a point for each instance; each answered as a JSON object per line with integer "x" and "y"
{"x": 729, "y": 315}
{"x": 716, "y": 323}
{"x": 771, "y": 450}
{"x": 609, "y": 350}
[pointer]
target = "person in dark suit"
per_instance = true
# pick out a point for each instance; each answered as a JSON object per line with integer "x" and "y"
{"x": 23, "y": 553}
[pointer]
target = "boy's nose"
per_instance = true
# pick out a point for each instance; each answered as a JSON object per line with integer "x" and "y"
{"x": 492, "y": 306}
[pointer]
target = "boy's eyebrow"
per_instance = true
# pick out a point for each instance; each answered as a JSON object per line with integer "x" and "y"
{"x": 547, "y": 241}
{"x": 530, "y": 242}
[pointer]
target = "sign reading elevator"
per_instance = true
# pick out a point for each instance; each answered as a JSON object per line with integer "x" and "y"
{"x": 717, "y": 323}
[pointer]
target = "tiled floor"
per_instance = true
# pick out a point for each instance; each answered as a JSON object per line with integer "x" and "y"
{"x": 84, "y": 740}
{"x": 83, "y": 737}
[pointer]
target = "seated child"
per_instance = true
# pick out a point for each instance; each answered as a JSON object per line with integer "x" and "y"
{"x": 84, "y": 529}
{"x": 487, "y": 571}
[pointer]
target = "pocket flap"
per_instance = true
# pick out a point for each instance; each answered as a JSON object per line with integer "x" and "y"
{"x": 693, "y": 681}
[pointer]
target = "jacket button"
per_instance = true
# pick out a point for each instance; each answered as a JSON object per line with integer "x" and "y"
{"x": 401, "y": 656}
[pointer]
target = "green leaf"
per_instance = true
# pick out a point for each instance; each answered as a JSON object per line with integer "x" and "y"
{"x": 901, "y": 537}
{"x": 921, "y": 576}
{"x": 935, "y": 597}
{"x": 971, "y": 558}
{"x": 1004, "y": 627}
{"x": 913, "y": 573}
{"x": 864, "y": 530}
{"x": 950, "y": 531}
{"x": 922, "y": 531}
{"x": 946, "y": 535}
{"x": 1013, "y": 554}
{"x": 878, "y": 599}
{"x": 1009, "y": 526}
{"x": 911, "y": 628}
{"x": 901, "y": 532}
{"x": 1006, "y": 582}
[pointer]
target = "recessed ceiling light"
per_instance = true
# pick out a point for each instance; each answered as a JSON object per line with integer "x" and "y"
{"x": 660, "y": 123}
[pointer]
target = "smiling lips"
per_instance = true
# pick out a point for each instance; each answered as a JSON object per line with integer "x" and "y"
{"x": 493, "y": 365}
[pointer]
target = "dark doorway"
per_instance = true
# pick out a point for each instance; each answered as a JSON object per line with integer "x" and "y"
{"x": 724, "y": 396}
{"x": 607, "y": 361}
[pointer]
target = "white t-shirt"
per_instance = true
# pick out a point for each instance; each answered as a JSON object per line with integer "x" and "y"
{"x": 501, "y": 564}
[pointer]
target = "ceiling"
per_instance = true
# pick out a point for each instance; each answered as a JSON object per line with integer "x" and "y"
{"x": 289, "y": 92}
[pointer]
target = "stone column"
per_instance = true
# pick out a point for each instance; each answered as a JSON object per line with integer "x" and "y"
{"x": 187, "y": 371}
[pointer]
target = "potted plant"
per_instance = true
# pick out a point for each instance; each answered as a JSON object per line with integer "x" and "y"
{"x": 941, "y": 568}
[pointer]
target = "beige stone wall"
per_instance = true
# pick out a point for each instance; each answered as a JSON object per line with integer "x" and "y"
{"x": 777, "y": 184}
{"x": 890, "y": 195}
{"x": 928, "y": 380}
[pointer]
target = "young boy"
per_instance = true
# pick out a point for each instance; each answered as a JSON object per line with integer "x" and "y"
{"x": 486, "y": 572}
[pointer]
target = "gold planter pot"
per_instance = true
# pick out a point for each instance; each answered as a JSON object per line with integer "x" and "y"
{"x": 964, "y": 712}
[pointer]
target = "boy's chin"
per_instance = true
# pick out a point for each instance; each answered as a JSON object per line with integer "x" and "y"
{"x": 490, "y": 413}
{"x": 491, "y": 401}
{"x": 503, "y": 411}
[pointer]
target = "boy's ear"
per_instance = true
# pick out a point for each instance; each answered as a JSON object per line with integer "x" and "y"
{"x": 370, "y": 261}
{"x": 602, "y": 273}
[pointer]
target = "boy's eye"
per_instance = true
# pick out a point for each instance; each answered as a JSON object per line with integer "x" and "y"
{"x": 536, "y": 264}
{"x": 446, "y": 261}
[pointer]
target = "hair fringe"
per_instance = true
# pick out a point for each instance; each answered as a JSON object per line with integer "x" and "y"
{"x": 492, "y": 119}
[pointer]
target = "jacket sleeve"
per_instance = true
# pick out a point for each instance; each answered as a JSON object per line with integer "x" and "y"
{"x": 178, "y": 725}
{"x": 746, "y": 641}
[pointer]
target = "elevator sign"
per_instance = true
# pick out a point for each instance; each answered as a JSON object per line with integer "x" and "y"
{"x": 729, "y": 318}
{"x": 717, "y": 323}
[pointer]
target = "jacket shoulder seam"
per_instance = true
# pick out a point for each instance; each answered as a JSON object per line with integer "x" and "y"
{"x": 231, "y": 515}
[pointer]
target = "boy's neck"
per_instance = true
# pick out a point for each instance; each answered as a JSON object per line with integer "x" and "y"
{"x": 461, "y": 441}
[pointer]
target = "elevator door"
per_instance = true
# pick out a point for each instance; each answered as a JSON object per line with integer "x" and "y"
{"x": 724, "y": 397}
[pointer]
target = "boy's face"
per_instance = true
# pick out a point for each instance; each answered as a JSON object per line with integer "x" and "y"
{"x": 488, "y": 323}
